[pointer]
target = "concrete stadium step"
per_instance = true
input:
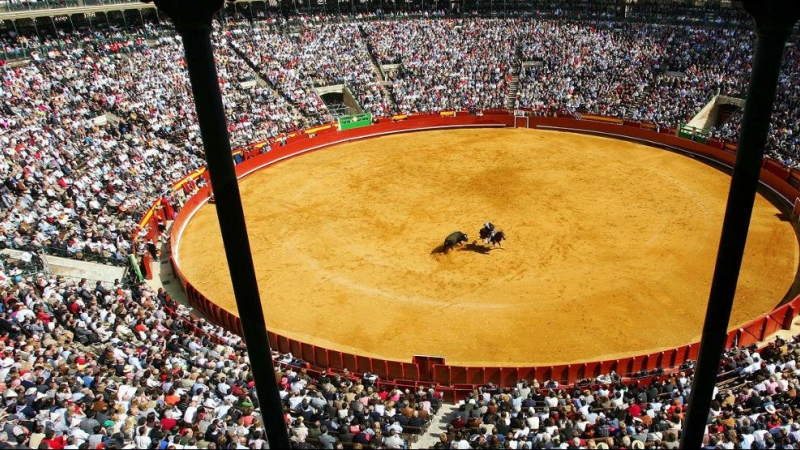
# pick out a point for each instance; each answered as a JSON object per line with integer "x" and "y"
{"x": 376, "y": 67}
{"x": 74, "y": 268}
{"x": 517, "y": 69}
{"x": 439, "y": 423}
{"x": 277, "y": 91}
{"x": 388, "y": 93}
{"x": 513, "y": 88}
{"x": 380, "y": 75}
{"x": 260, "y": 81}
{"x": 637, "y": 102}
{"x": 164, "y": 276}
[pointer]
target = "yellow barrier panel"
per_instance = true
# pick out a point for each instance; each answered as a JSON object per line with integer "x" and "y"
{"x": 400, "y": 117}
{"x": 602, "y": 119}
{"x": 315, "y": 129}
{"x": 194, "y": 175}
{"x": 447, "y": 113}
{"x": 147, "y": 216}
{"x": 180, "y": 184}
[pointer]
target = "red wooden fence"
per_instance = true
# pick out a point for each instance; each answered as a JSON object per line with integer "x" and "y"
{"x": 457, "y": 380}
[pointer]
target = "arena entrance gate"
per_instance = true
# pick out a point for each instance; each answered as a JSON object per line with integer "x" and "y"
{"x": 519, "y": 121}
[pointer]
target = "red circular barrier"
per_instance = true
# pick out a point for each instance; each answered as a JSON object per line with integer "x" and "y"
{"x": 436, "y": 370}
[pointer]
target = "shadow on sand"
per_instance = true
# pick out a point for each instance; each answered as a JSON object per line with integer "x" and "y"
{"x": 477, "y": 248}
{"x": 474, "y": 247}
{"x": 438, "y": 250}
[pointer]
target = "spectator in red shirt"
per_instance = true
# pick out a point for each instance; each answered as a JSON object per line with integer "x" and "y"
{"x": 635, "y": 410}
{"x": 167, "y": 423}
{"x": 56, "y": 443}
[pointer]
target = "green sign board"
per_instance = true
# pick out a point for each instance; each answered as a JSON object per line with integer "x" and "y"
{"x": 693, "y": 134}
{"x": 135, "y": 265}
{"x": 354, "y": 121}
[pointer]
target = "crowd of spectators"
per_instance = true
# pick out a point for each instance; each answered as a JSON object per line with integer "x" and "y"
{"x": 85, "y": 364}
{"x": 662, "y": 74}
{"x": 95, "y": 365}
{"x": 446, "y": 64}
{"x": 97, "y": 127}
{"x": 100, "y": 121}
{"x": 755, "y": 406}
{"x": 296, "y": 60}
{"x": 581, "y": 67}
{"x": 339, "y": 408}
{"x": 653, "y": 73}
{"x": 783, "y": 144}
{"x": 701, "y": 13}
{"x": 60, "y": 188}
{"x": 256, "y": 112}
{"x": 640, "y": 71}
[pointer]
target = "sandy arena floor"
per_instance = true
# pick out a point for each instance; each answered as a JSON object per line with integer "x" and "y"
{"x": 610, "y": 251}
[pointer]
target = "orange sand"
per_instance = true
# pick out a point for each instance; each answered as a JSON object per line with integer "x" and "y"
{"x": 610, "y": 251}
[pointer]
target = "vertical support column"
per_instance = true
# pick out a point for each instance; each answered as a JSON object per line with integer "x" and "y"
{"x": 192, "y": 20}
{"x": 774, "y": 20}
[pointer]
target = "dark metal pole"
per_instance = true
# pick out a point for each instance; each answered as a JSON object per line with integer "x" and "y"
{"x": 193, "y": 21}
{"x": 774, "y": 20}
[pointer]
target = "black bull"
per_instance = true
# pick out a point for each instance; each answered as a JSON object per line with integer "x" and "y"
{"x": 454, "y": 239}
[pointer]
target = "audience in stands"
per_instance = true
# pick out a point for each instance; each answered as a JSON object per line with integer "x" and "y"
{"x": 92, "y": 134}
{"x": 754, "y": 406}
{"x": 314, "y": 56}
{"x": 127, "y": 367}
{"x": 100, "y": 123}
{"x": 446, "y": 64}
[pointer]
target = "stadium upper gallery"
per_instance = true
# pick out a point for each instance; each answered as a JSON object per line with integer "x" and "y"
{"x": 472, "y": 224}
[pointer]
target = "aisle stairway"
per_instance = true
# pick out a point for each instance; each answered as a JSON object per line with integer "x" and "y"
{"x": 387, "y": 90}
{"x": 386, "y": 85}
{"x": 638, "y": 97}
{"x": 511, "y": 95}
{"x": 513, "y": 86}
{"x": 376, "y": 67}
{"x": 446, "y": 413}
{"x": 263, "y": 81}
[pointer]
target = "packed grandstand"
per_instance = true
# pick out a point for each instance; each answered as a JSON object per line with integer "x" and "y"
{"x": 88, "y": 364}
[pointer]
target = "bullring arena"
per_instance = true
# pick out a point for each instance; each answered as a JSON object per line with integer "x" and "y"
{"x": 598, "y": 135}
{"x": 597, "y": 226}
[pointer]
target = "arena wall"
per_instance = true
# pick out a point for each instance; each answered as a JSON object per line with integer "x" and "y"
{"x": 454, "y": 381}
